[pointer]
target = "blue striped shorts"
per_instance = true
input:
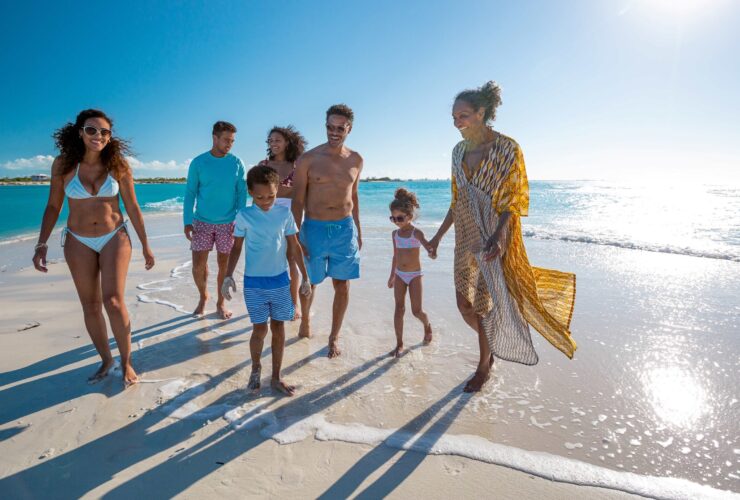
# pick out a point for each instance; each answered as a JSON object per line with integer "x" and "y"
{"x": 268, "y": 297}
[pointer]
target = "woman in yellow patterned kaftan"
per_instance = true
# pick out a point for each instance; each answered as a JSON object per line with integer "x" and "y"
{"x": 499, "y": 294}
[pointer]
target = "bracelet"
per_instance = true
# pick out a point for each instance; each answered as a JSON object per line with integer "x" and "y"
{"x": 39, "y": 246}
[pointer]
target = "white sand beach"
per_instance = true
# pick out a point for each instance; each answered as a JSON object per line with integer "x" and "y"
{"x": 598, "y": 426}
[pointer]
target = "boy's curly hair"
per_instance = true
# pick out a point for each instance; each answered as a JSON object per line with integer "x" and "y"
{"x": 262, "y": 174}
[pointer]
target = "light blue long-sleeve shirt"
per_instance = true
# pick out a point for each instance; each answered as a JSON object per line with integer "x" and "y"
{"x": 216, "y": 188}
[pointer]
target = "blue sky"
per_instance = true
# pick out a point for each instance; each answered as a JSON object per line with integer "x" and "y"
{"x": 616, "y": 89}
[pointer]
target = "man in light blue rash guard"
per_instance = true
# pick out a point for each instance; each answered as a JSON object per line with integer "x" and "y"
{"x": 214, "y": 193}
{"x": 268, "y": 232}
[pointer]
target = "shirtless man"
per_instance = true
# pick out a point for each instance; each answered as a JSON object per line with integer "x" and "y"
{"x": 325, "y": 188}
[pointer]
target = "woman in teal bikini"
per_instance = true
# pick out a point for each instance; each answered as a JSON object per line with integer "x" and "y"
{"x": 92, "y": 172}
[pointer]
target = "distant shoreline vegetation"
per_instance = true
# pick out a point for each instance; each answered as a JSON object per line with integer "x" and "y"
{"x": 28, "y": 181}
{"x": 382, "y": 179}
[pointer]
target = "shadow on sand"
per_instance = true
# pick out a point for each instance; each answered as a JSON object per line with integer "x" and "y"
{"x": 38, "y": 394}
{"x": 69, "y": 474}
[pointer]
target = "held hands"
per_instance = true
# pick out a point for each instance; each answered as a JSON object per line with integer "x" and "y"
{"x": 227, "y": 286}
{"x": 189, "y": 232}
{"x": 431, "y": 247}
{"x": 305, "y": 288}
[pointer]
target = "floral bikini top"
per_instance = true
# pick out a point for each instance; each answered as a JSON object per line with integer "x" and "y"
{"x": 410, "y": 242}
{"x": 288, "y": 181}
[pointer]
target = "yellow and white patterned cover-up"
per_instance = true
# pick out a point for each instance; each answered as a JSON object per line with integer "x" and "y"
{"x": 507, "y": 292}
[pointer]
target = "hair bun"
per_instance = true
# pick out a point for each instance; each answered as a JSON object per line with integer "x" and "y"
{"x": 406, "y": 197}
{"x": 492, "y": 92}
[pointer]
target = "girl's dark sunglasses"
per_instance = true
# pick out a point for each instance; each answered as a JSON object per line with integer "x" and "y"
{"x": 93, "y": 131}
{"x": 400, "y": 218}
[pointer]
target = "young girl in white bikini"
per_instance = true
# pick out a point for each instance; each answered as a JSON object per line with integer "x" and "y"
{"x": 406, "y": 267}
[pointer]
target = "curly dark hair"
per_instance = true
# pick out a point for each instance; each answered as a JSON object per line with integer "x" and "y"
{"x": 72, "y": 148}
{"x": 262, "y": 174}
{"x": 405, "y": 201}
{"x": 487, "y": 96}
{"x": 341, "y": 110}
{"x": 296, "y": 142}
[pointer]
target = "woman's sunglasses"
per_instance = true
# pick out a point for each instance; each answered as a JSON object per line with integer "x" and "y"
{"x": 93, "y": 131}
{"x": 400, "y": 218}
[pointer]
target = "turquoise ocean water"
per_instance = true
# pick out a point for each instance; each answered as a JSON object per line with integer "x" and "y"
{"x": 702, "y": 221}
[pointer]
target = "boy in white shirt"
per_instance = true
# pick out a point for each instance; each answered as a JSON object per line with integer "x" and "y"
{"x": 270, "y": 234}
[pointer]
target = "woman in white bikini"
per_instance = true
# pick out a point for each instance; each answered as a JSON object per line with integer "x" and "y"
{"x": 406, "y": 266}
{"x": 284, "y": 146}
{"x": 92, "y": 172}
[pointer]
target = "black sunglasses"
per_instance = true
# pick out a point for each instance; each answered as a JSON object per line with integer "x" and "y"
{"x": 400, "y": 218}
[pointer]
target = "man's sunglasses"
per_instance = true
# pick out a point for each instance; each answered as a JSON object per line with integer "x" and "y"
{"x": 339, "y": 129}
{"x": 93, "y": 131}
{"x": 400, "y": 218}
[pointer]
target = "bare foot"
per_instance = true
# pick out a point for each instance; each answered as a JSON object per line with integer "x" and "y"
{"x": 102, "y": 372}
{"x": 428, "y": 334}
{"x": 480, "y": 377}
{"x": 200, "y": 309}
{"x": 334, "y": 350}
{"x": 304, "y": 331}
{"x": 222, "y": 312}
{"x": 397, "y": 352}
{"x": 254, "y": 381}
{"x": 129, "y": 376}
{"x": 476, "y": 383}
{"x": 282, "y": 387}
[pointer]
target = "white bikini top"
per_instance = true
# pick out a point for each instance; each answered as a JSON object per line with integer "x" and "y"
{"x": 77, "y": 191}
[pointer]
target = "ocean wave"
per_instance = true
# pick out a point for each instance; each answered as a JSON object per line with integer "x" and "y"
{"x": 7, "y": 240}
{"x": 168, "y": 205}
{"x": 541, "y": 464}
{"x": 540, "y": 234}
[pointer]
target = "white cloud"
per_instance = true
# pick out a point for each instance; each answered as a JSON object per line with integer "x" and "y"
{"x": 41, "y": 163}
{"x": 171, "y": 166}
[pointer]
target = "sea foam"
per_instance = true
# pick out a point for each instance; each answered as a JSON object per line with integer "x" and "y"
{"x": 544, "y": 465}
{"x": 168, "y": 205}
{"x": 572, "y": 237}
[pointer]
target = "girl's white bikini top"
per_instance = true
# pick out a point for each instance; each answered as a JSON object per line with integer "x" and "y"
{"x": 77, "y": 191}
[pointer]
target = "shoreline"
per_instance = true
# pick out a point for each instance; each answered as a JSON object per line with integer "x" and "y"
{"x": 414, "y": 460}
{"x": 354, "y": 409}
{"x": 47, "y": 183}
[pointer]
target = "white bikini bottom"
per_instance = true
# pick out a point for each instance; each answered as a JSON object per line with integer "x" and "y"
{"x": 95, "y": 243}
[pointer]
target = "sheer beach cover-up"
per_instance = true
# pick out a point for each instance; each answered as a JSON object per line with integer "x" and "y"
{"x": 507, "y": 292}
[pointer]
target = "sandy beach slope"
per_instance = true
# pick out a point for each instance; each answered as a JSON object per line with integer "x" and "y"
{"x": 363, "y": 425}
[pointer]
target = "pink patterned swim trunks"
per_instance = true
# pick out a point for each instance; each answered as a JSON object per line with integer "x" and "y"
{"x": 205, "y": 235}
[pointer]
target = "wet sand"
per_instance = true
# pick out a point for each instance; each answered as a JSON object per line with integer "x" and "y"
{"x": 643, "y": 389}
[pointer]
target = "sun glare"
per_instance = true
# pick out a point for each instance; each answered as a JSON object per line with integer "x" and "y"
{"x": 676, "y": 395}
{"x": 681, "y": 10}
